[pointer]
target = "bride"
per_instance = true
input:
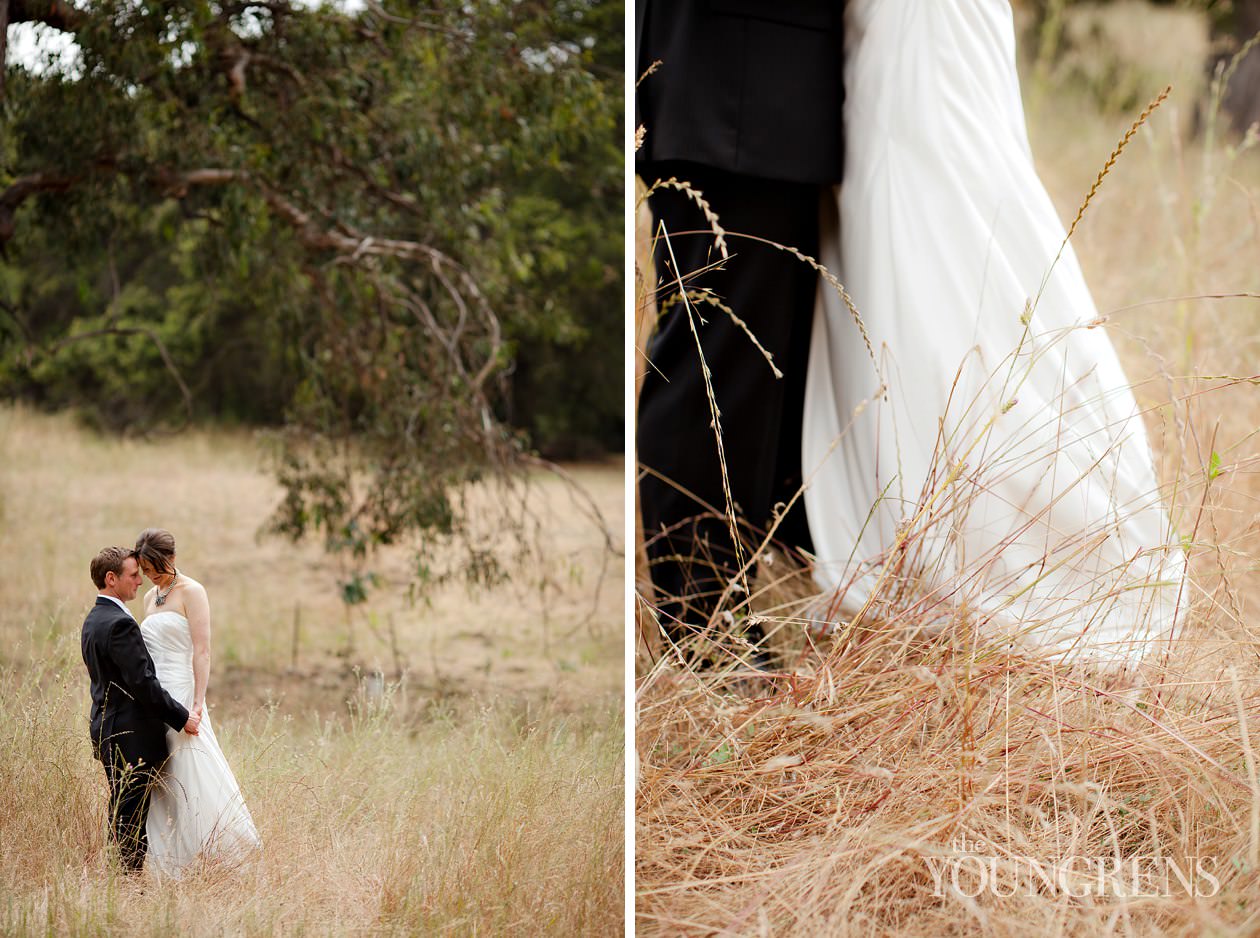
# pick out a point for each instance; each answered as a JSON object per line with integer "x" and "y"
{"x": 196, "y": 808}
{"x": 985, "y": 454}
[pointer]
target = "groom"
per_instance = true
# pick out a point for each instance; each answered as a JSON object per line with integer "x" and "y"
{"x": 745, "y": 106}
{"x": 130, "y": 710}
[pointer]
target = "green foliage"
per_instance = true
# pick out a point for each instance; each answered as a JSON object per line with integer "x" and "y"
{"x": 395, "y": 233}
{"x": 228, "y": 330}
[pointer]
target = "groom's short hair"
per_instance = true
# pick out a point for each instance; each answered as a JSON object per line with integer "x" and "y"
{"x": 109, "y": 560}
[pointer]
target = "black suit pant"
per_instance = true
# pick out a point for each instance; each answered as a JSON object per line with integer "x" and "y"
{"x": 691, "y": 553}
{"x": 131, "y": 770}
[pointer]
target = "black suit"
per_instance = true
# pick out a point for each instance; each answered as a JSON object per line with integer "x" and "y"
{"x": 130, "y": 713}
{"x": 746, "y": 106}
{"x": 753, "y": 87}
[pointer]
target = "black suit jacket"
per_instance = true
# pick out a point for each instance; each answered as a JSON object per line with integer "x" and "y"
{"x": 754, "y": 87}
{"x": 129, "y": 707}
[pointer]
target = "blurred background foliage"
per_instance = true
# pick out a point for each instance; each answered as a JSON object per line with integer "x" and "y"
{"x": 489, "y": 132}
{"x": 1102, "y": 47}
{"x": 393, "y": 233}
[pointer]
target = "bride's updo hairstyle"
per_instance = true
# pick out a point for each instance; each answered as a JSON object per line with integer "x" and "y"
{"x": 156, "y": 547}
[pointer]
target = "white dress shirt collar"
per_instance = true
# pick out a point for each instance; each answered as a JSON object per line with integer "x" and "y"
{"x": 121, "y": 605}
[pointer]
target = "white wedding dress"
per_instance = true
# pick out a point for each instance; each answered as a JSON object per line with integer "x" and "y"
{"x": 1004, "y": 477}
{"x": 197, "y": 807}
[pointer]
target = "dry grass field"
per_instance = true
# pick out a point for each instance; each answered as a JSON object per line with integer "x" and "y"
{"x": 892, "y": 783}
{"x": 479, "y": 793}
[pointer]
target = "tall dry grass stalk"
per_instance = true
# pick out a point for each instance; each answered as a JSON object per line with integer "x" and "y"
{"x": 861, "y": 788}
{"x": 505, "y": 820}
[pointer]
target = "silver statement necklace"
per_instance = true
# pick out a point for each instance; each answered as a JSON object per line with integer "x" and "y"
{"x": 161, "y": 597}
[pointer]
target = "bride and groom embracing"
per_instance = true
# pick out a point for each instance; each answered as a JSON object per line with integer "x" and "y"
{"x": 172, "y": 795}
{"x": 962, "y": 432}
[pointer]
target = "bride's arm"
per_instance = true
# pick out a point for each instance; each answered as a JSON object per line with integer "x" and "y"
{"x": 197, "y": 605}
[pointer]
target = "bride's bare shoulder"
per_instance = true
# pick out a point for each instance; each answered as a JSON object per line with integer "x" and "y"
{"x": 193, "y": 586}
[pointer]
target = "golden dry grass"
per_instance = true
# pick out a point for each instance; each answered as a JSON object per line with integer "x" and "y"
{"x": 65, "y": 493}
{"x": 481, "y": 794}
{"x": 823, "y": 800}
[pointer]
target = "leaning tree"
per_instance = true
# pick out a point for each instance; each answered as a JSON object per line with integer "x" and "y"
{"x": 353, "y": 218}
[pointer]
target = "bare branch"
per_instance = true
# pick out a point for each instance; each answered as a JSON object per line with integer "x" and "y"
{"x": 328, "y": 234}
{"x": 176, "y": 185}
{"x": 377, "y": 11}
{"x": 582, "y": 497}
{"x": 22, "y": 189}
{"x": 236, "y": 74}
{"x": 343, "y": 239}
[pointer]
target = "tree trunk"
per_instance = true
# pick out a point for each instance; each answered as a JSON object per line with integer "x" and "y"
{"x": 1241, "y": 99}
{"x": 4, "y": 42}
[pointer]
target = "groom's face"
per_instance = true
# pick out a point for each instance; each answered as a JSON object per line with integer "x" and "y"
{"x": 128, "y": 582}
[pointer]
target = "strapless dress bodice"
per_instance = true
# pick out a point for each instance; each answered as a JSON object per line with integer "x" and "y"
{"x": 165, "y": 631}
{"x": 169, "y": 641}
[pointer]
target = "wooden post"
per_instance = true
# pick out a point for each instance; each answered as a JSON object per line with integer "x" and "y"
{"x": 297, "y": 631}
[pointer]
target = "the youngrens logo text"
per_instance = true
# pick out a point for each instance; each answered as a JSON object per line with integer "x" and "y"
{"x": 976, "y": 869}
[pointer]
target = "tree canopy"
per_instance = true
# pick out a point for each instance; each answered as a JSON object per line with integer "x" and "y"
{"x": 396, "y": 232}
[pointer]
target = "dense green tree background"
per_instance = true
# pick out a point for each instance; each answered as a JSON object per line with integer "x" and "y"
{"x": 392, "y": 231}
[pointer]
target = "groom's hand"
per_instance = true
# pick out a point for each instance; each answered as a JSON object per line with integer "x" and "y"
{"x": 194, "y": 720}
